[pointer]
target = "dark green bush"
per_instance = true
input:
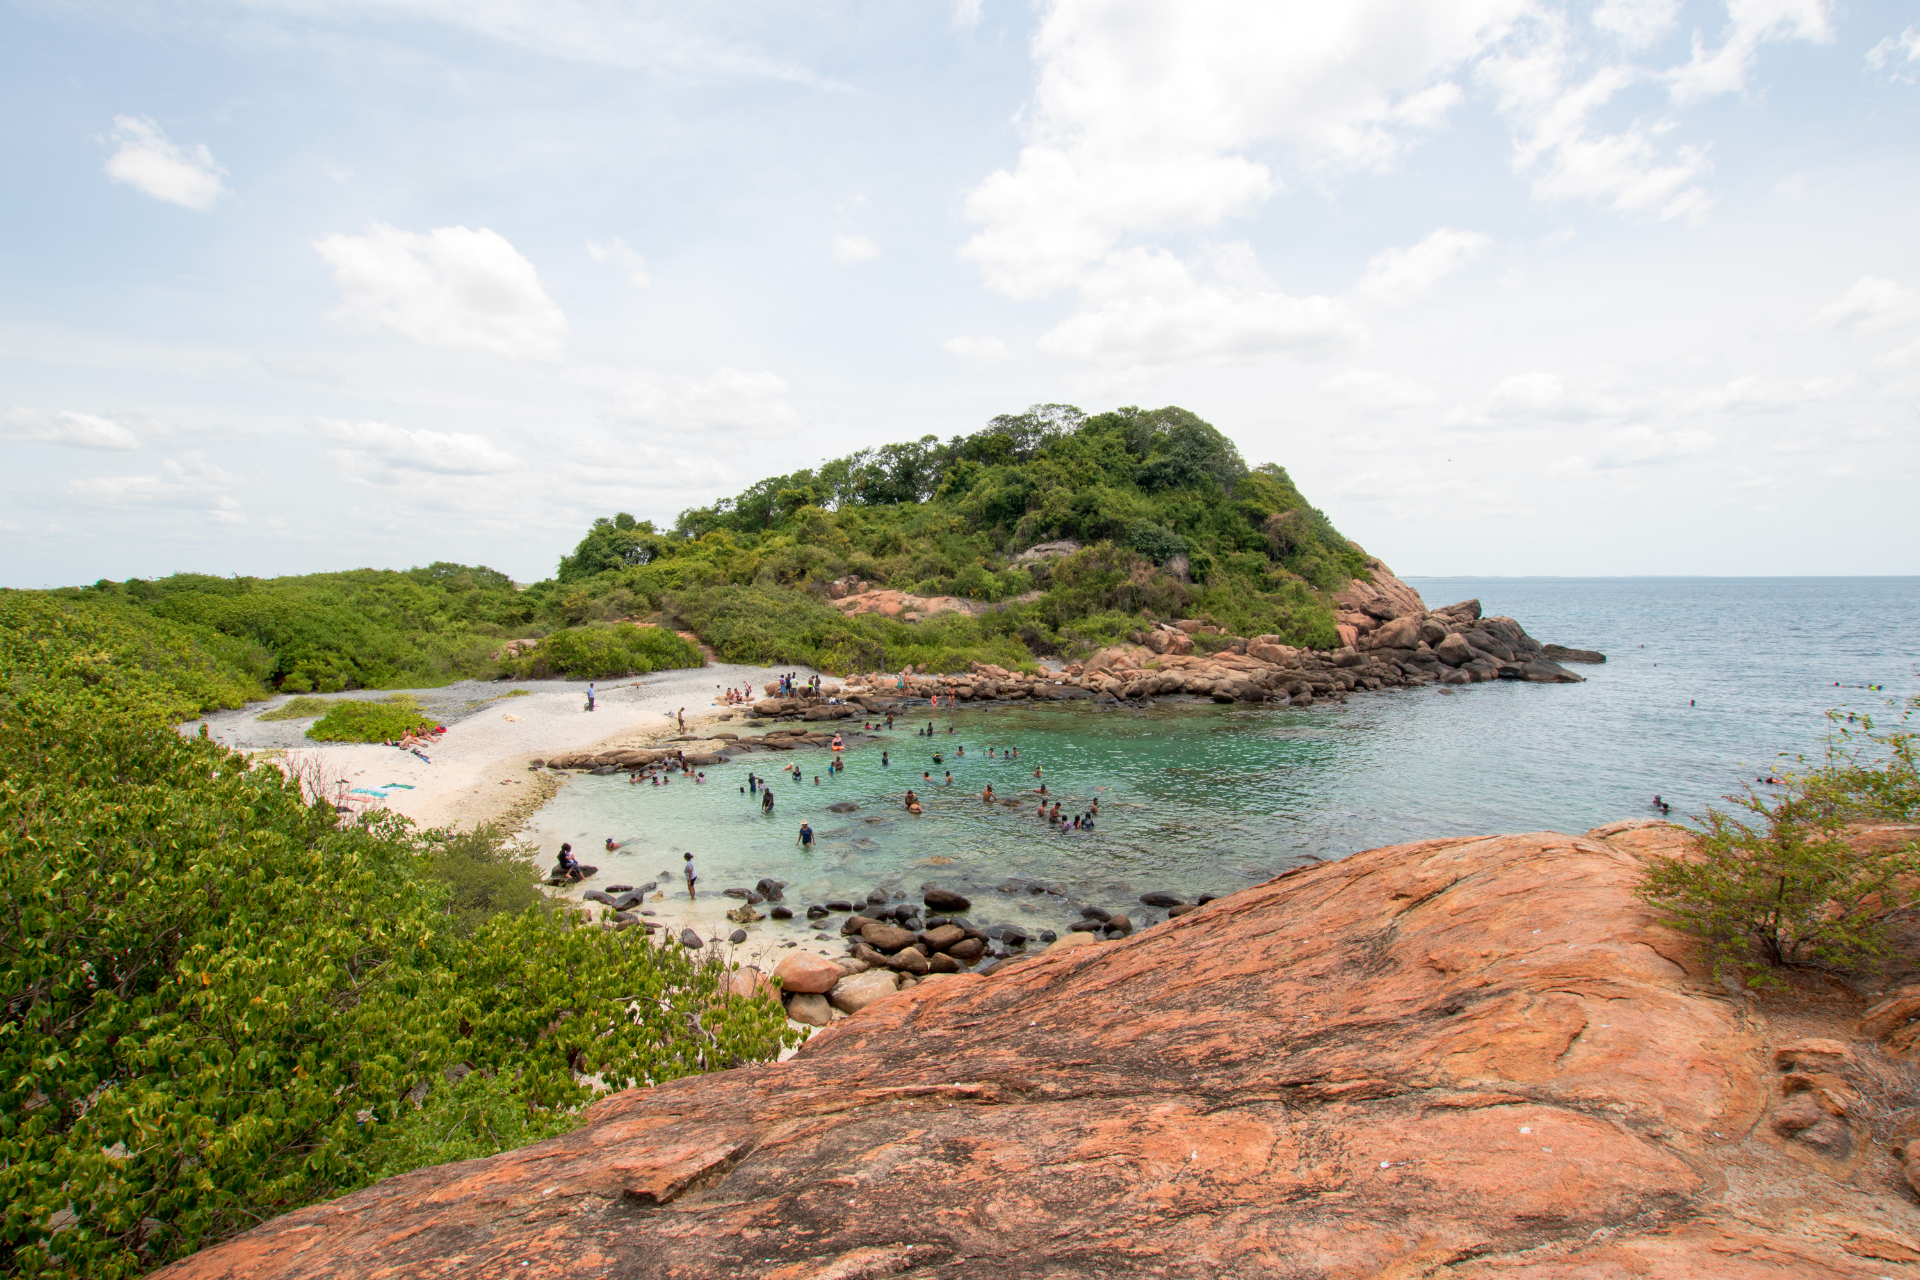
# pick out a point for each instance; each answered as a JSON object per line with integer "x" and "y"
{"x": 354, "y": 720}
{"x": 222, "y": 1003}
{"x": 1784, "y": 885}
{"x": 596, "y": 653}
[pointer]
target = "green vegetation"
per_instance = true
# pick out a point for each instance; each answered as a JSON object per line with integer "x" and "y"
{"x": 301, "y": 708}
{"x": 223, "y": 1002}
{"x": 1172, "y": 521}
{"x": 1783, "y": 886}
{"x": 354, "y": 720}
{"x": 594, "y": 653}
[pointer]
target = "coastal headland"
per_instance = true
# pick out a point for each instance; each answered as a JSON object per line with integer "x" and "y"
{"x": 1477, "y": 1057}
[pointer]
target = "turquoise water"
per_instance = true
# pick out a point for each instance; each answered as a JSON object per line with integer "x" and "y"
{"x": 1197, "y": 798}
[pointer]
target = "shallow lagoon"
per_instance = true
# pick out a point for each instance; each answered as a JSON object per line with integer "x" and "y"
{"x": 1197, "y": 798}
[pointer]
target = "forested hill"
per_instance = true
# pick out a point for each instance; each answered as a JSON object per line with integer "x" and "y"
{"x": 1171, "y": 520}
{"x": 1150, "y": 515}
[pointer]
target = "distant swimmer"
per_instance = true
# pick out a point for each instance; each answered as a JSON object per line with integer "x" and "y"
{"x": 949, "y": 781}
{"x": 987, "y": 795}
{"x": 1096, "y": 807}
{"x": 884, "y": 762}
{"x": 613, "y": 846}
{"x": 1036, "y": 773}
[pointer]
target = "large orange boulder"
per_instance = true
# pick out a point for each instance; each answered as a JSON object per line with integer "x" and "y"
{"x": 1460, "y": 1058}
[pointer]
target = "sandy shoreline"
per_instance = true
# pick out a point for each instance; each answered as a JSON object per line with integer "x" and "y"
{"x": 479, "y": 771}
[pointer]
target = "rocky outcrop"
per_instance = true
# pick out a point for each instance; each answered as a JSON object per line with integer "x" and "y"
{"x": 1469, "y": 1058}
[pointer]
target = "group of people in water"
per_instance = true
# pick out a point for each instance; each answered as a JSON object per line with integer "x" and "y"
{"x": 661, "y": 772}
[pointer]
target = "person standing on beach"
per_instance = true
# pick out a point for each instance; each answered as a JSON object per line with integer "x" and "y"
{"x": 589, "y": 695}
{"x": 682, "y": 718}
{"x": 693, "y": 877}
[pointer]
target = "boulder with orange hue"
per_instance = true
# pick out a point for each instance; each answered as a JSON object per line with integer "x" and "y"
{"x": 1460, "y": 1058}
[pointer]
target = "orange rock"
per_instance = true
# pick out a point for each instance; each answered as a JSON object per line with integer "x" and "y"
{"x": 807, "y": 972}
{"x": 1460, "y": 1058}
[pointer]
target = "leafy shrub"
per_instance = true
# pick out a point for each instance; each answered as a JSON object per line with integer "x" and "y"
{"x": 221, "y": 1002}
{"x": 1784, "y": 886}
{"x": 597, "y": 653}
{"x": 355, "y": 720}
{"x": 301, "y": 708}
{"x": 486, "y": 873}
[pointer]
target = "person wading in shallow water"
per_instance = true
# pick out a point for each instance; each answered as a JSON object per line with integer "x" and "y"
{"x": 693, "y": 877}
{"x": 766, "y": 801}
{"x": 806, "y": 836}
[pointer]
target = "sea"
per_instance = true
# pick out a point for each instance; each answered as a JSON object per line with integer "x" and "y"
{"x": 1711, "y": 686}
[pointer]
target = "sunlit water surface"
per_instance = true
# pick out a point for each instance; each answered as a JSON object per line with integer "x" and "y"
{"x": 1708, "y": 683}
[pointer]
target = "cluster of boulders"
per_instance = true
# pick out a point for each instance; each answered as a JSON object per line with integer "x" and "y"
{"x": 1455, "y": 645}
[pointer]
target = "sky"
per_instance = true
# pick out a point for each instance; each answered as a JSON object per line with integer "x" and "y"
{"x": 1509, "y": 286}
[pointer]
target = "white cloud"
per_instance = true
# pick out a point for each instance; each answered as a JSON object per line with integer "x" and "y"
{"x": 1142, "y": 113}
{"x": 1751, "y": 23}
{"x": 1640, "y": 446}
{"x": 1637, "y": 23}
{"x": 452, "y": 453}
{"x": 1532, "y": 399}
{"x": 1895, "y": 50}
{"x": 192, "y": 483}
{"x": 1753, "y": 394}
{"x": 148, "y": 162}
{"x": 1145, "y": 307}
{"x": 1377, "y": 390}
{"x": 979, "y": 350}
{"x": 729, "y": 400}
{"x": 1874, "y": 302}
{"x": 1399, "y": 276}
{"x": 848, "y": 250}
{"x": 966, "y": 14}
{"x": 624, "y": 258}
{"x": 83, "y": 430}
{"x": 453, "y": 287}
{"x": 1541, "y": 84}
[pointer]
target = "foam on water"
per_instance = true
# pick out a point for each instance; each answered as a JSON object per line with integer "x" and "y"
{"x": 1197, "y": 798}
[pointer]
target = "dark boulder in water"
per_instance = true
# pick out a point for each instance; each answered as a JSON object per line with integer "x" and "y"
{"x": 783, "y": 913}
{"x": 690, "y": 940}
{"x": 1160, "y": 899}
{"x": 1560, "y": 653}
{"x": 844, "y": 806}
{"x": 946, "y": 900}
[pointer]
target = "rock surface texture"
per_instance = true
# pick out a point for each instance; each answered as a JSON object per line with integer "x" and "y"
{"x": 1461, "y": 1058}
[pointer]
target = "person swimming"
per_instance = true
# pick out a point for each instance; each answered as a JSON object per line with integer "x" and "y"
{"x": 949, "y": 781}
{"x": 884, "y": 762}
{"x": 986, "y": 796}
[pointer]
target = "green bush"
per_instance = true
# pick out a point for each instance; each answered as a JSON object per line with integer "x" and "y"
{"x": 354, "y": 720}
{"x": 299, "y": 709}
{"x": 1784, "y": 886}
{"x": 486, "y": 872}
{"x": 598, "y": 653}
{"x": 223, "y": 1003}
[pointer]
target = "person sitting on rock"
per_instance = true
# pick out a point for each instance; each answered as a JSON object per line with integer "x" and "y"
{"x": 567, "y": 867}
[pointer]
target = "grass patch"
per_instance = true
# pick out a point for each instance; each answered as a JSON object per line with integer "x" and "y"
{"x": 356, "y": 721}
{"x": 302, "y": 708}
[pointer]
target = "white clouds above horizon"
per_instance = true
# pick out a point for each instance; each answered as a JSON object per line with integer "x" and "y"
{"x": 982, "y": 351}
{"x": 190, "y": 482}
{"x": 450, "y": 453}
{"x": 626, "y": 260}
{"x": 1874, "y": 302}
{"x": 734, "y": 401}
{"x": 148, "y": 162}
{"x": 82, "y": 430}
{"x": 1396, "y": 277}
{"x": 850, "y": 249}
{"x": 454, "y": 288}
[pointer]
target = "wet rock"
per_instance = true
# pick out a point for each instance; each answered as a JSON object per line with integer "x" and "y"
{"x": 843, "y": 806}
{"x": 946, "y": 900}
{"x": 737, "y": 937}
{"x": 886, "y": 938}
{"x": 839, "y": 904}
{"x": 784, "y": 913}
{"x": 1174, "y": 913}
{"x": 771, "y": 890}
{"x": 1119, "y": 924}
{"x": 854, "y": 993}
{"x": 1097, "y": 913}
{"x": 1159, "y": 898}
{"x": 1544, "y": 671}
{"x": 816, "y": 912}
{"x": 943, "y": 963}
{"x": 690, "y": 940}
{"x": 1560, "y": 653}
{"x": 877, "y": 896}
{"x": 911, "y": 960}
{"x": 1072, "y": 942}
{"x": 967, "y": 949}
{"x": 942, "y": 938}
{"x": 810, "y": 1010}
{"x": 735, "y": 893}
{"x": 807, "y": 972}
{"x": 594, "y": 895}
{"x": 619, "y": 888}
{"x": 1048, "y": 935}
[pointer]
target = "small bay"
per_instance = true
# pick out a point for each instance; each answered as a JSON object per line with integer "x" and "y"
{"x": 1710, "y": 684}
